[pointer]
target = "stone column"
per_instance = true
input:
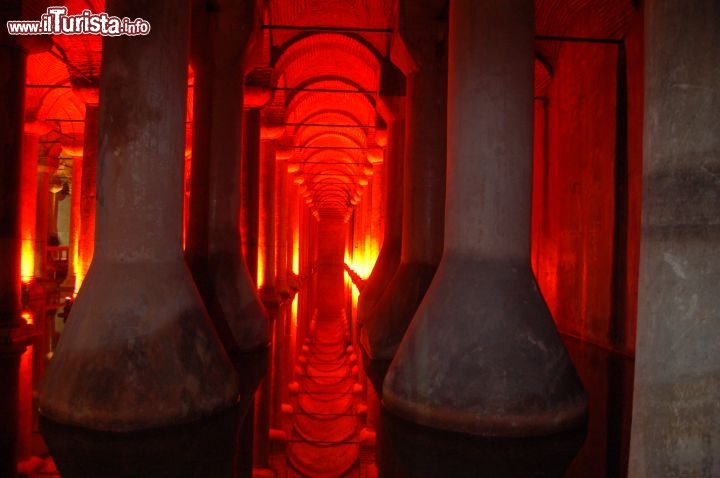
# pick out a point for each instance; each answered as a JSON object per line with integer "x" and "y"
{"x": 389, "y": 257}
{"x": 266, "y": 284}
{"x": 281, "y": 284}
{"x": 28, "y": 195}
{"x": 482, "y": 355}
{"x": 421, "y": 54}
{"x": 675, "y": 427}
{"x": 266, "y": 216}
{"x": 47, "y": 165}
{"x": 220, "y": 271}
{"x": 88, "y": 190}
{"x": 377, "y": 185}
{"x": 138, "y": 350}
{"x": 14, "y": 331}
{"x": 68, "y": 285}
{"x": 250, "y": 188}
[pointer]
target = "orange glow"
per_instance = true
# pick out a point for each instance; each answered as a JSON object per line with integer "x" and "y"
{"x": 79, "y": 276}
{"x": 260, "y": 266}
{"x": 363, "y": 263}
{"x": 296, "y": 250}
{"x": 28, "y": 206}
{"x": 27, "y": 260}
{"x": 28, "y": 317}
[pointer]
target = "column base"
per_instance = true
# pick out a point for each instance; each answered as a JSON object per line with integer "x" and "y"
{"x": 235, "y": 305}
{"x": 385, "y": 267}
{"x": 482, "y": 356}
{"x": 375, "y": 370}
{"x": 137, "y": 352}
{"x": 386, "y": 324}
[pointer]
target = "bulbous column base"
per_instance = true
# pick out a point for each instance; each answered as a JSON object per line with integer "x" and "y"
{"x": 385, "y": 326}
{"x": 137, "y": 352}
{"x": 482, "y": 356}
{"x": 375, "y": 370}
{"x": 387, "y": 263}
{"x": 234, "y": 302}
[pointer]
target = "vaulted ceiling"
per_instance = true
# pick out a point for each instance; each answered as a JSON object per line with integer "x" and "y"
{"x": 319, "y": 66}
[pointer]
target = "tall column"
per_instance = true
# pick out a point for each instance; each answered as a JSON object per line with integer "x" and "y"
{"x": 220, "y": 270}
{"x": 389, "y": 257}
{"x": 281, "y": 283}
{"x": 266, "y": 216}
{"x": 28, "y": 195}
{"x": 482, "y": 355}
{"x": 68, "y": 285}
{"x": 14, "y": 331}
{"x": 138, "y": 306}
{"x": 423, "y": 58}
{"x": 675, "y": 429}
{"x": 266, "y": 285}
{"x": 250, "y": 188}
{"x": 47, "y": 165}
{"x": 88, "y": 191}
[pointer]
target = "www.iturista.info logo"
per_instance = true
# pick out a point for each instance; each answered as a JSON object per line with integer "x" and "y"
{"x": 56, "y": 21}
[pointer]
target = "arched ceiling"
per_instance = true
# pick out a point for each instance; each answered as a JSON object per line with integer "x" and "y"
{"x": 329, "y": 82}
{"x": 318, "y": 76}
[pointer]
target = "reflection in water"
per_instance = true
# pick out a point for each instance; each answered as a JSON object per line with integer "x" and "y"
{"x": 413, "y": 451}
{"x": 206, "y": 448}
{"x": 200, "y": 449}
{"x": 608, "y": 380}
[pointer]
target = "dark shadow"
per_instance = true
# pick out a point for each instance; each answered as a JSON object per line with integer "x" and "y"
{"x": 197, "y": 450}
{"x": 413, "y": 451}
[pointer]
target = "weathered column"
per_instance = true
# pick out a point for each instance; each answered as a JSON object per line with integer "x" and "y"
{"x": 266, "y": 216}
{"x": 88, "y": 191}
{"x": 266, "y": 285}
{"x": 675, "y": 428}
{"x": 389, "y": 257}
{"x": 250, "y": 188}
{"x": 281, "y": 222}
{"x": 90, "y": 96}
{"x": 423, "y": 58}
{"x": 47, "y": 165}
{"x": 68, "y": 285}
{"x": 138, "y": 350}
{"x": 55, "y": 187}
{"x": 281, "y": 284}
{"x": 374, "y": 238}
{"x": 482, "y": 355}
{"x": 28, "y": 196}
{"x": 220, "y": 270}
{"x": 13, "y": 329}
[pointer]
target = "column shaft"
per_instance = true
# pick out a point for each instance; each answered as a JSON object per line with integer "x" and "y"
{"x": 675, "y": 430}
{"x": 88, "y": 191}
{"x": 28, "y": 204}
{"x": 267, "y": 263}
{"x": 68, "y": 284}
{"x": 250, "y": 189}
